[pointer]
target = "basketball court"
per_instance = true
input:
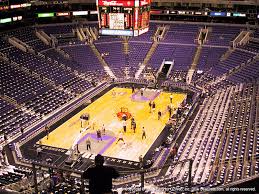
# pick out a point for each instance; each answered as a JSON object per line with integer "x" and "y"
{"x": 104, "y": 111}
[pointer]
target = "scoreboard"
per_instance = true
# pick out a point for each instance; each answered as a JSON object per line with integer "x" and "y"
{"x": 123, "y": 17}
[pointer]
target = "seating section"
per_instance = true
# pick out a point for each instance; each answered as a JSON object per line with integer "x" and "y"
{"x": 10, "y": 174}
{"x": 182, "y": 33}
{"x": 55, "y": 30}
{"x": 221, "y": 36}
{"x": 19, "y": 85}
{"x": 210, "y": 57}
{"x": 12, "y": 118}
{"x": 48, "y": 69}
{"x": 137, "y": 53}
{"x": 202, "y": 139}
{"x": 235, "y": 59}
{"x": 252, "y": 46}
{"x": 113, "y": 54}
{"x": 238, "y": 151}
{"x": 48, "y": 101}
{"x": 248, "y": 73}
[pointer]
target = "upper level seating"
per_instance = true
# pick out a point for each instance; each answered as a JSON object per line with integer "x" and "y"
{"x": 163, "y": 51}
{"x": 138, "y": 52}
{"x": 183, "y": 56}
{"x": 113, "y": 54}
{"x": 147, "y": 37}
{"x": 41, "y": 66}
{"x": 25, "y": 34}
{"x": 210, "y": 57}
{"x": 84, "y": 56}
{"x": 60, "y": 29}
{"x": 182, "y": 33}
{"x": 4, "y": 44}
{"x": 108, "y": 39}
{"x": 38, "y": 45}
{"x": 252, "y": 46}
{"x": 222, "y": 35}
{"x": 256, "y": 33}
{"x": 19, "y": 85}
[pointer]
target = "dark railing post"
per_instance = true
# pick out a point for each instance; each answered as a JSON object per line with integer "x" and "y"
{"x": 35, "y": 178}
{"x": 142, "y": 181}
{"x": 190, "y": 175}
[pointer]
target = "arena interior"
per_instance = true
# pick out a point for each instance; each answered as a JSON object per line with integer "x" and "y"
{"x": 186, "y": 73}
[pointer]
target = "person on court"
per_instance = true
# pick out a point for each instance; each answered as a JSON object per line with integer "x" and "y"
{"x": 103, "y": 129}
{"x": 134, "y": 126}
{"x": 47, "y": 131}
{"x": 124, "y": 124}
{"x": 99, "y": 134}
{"x": 143, "y": 133}
{"x": 141, "y": 91}
{"x": 120, "y": 138}
{"x": 132, "y": 121}
{"x": 171, "y": 98}
{"x": 150, "y": 106}
{"x": 132, "y": 89}
{"x": 88, "y": 144}
{"x": 153, "y": 107}
{"x": 159, "y": 114}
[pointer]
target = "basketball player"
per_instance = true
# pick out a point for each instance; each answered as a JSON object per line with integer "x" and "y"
{"x": 132, "y": 121}
{"x": 124, "y": 124}
{"x": 113, "y": 93}
{"x": 134, "y": 126}
{"x": 88, "y": 144}
{"x": 171, "y": 98}
{"x": 150, "y": 106}
{"x": 99, "y": 134}
{"x": 103, "y": 129}
{"x": 120, "y": 138}
{"x": 159, "y": 114}
{"x": 143, "y": 133}
{"x": 153, "y": 107}
{"x": 133, "y": 89}
{"x": 47, "y": 131}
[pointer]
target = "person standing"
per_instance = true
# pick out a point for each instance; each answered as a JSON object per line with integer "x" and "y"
{"x": 100, "y": 177}
{"x": 88, "y": 143}
{"x": 159, "y": 114}
{"x": 133, "y": 89}
{"x": 134, "y": 126}
{"x": 132, "y": 121}
{"x": 47, "y": 131}
{"x": 150, "y": 106}
{"x": 22, "y": 131}
{"x": 171, "y": 98}
{"x": 141, "y": 91}
{"x": 143, "y": 133}
{"x": 5, "y": 137}
{"x": 124, "y": 124}
{"x": 121, "y": 138}
{"x": 153, "y": 107}
{"x": 169, "y": 110}
{"x": 103, "y": 129}
{"x": 99, "y": 134}
{"x": 38, "y": 150}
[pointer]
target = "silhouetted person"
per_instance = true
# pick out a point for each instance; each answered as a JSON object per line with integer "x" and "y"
{"x": 100, "y": 177}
